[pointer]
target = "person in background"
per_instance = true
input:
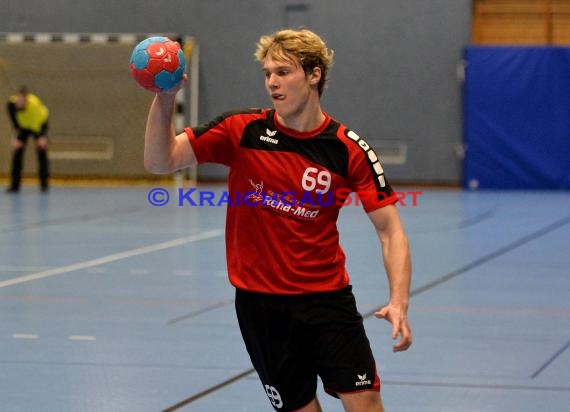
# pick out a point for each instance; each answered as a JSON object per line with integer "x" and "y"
{"x": 29, "y": 117}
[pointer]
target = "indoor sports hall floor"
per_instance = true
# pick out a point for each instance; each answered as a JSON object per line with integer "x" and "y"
{"x": 108, "y": 303}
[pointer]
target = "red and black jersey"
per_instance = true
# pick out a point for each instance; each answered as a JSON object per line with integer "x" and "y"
{"x": 286, "y": 189}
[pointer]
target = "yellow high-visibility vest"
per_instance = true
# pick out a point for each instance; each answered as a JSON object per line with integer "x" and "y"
{"x": 34, "y": 115}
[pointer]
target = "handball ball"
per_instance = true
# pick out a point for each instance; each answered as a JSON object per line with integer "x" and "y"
{"x": 157, "y": 64}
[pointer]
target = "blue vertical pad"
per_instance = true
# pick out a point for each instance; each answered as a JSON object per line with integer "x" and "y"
{"x": 517, "y": 117}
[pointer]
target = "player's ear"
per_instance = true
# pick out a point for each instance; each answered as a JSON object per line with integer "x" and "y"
{"x": 315, "y": 76}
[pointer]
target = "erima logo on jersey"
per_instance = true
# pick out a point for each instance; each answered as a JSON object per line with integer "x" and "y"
{"x": 269, "y": 138}
{"x": 363, "y": 380}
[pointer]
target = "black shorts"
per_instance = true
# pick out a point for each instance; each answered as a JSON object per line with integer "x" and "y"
{"x": 293, "y": 339}
{"x": 23, "y": 135}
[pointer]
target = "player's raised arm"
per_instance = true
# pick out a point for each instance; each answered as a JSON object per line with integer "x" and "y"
{"x": 158, "y": 65}
{"x": 164, "y": 151}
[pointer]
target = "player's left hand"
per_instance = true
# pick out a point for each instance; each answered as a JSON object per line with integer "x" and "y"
{"x": 176, "y": 88}
{"x": 396, "y": 315}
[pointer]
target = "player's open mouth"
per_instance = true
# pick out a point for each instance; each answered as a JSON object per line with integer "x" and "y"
{"x": 277, "y": 96}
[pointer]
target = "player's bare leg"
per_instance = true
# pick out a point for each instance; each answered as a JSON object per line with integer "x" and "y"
{"x": 312, "y": 406}
{"x": 366, "y": 401}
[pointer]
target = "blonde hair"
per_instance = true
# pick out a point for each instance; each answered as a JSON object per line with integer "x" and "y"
{"x": 288, "y": 44}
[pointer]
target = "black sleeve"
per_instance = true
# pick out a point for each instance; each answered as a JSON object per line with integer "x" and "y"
{"x": 11, "y": 107}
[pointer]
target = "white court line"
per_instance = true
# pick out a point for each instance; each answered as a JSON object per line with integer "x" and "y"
{"x": 138, "y": 271}
{"x": 111, "y": 258}
{"x": 25, "y": 336}
{"x": 82, "y": 337}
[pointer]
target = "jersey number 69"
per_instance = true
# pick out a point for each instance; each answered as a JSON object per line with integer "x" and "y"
{"x": 319, "y": 181}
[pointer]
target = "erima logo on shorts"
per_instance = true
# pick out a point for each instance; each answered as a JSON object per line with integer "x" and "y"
{"x": 269, "y": 138}
{"x": 363, "y": 380}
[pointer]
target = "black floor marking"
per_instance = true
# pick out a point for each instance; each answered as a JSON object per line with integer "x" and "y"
{"x": 208, "y": 391}
{"x": 549, "y": 361}
{"x": 200, "y": 311}
{"x": 462, "y": 224}
{"x": 68, "y": 220}
{"x": 430, "y": 285}
{"x": 499, "y": 252}
{"x": 476, "y": 219}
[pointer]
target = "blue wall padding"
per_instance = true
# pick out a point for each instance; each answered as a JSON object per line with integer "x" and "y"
{"x": 517, "y": 117}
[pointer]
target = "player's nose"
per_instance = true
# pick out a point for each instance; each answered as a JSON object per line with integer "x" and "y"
{"x": 272, "y": 82}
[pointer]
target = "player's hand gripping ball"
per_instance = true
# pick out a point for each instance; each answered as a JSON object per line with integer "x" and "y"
{"x": 157, "y": 64}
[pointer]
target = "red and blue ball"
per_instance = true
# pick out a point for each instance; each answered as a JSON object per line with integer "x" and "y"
{"x": 157, "y": 64}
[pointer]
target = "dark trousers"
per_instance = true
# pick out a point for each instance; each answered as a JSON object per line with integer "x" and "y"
{"x": 18, "y": 160}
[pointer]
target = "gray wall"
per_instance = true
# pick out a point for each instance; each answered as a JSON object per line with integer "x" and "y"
{"x": 394, "y": 80}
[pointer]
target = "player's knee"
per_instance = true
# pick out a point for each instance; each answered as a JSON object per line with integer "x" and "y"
{"x": 365, "y": 401}
{"x": 312, "y": 406}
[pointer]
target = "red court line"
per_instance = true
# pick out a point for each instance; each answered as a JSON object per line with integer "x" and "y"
{"x": 42, "y": 298}
{"x": 492, "y": 310}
